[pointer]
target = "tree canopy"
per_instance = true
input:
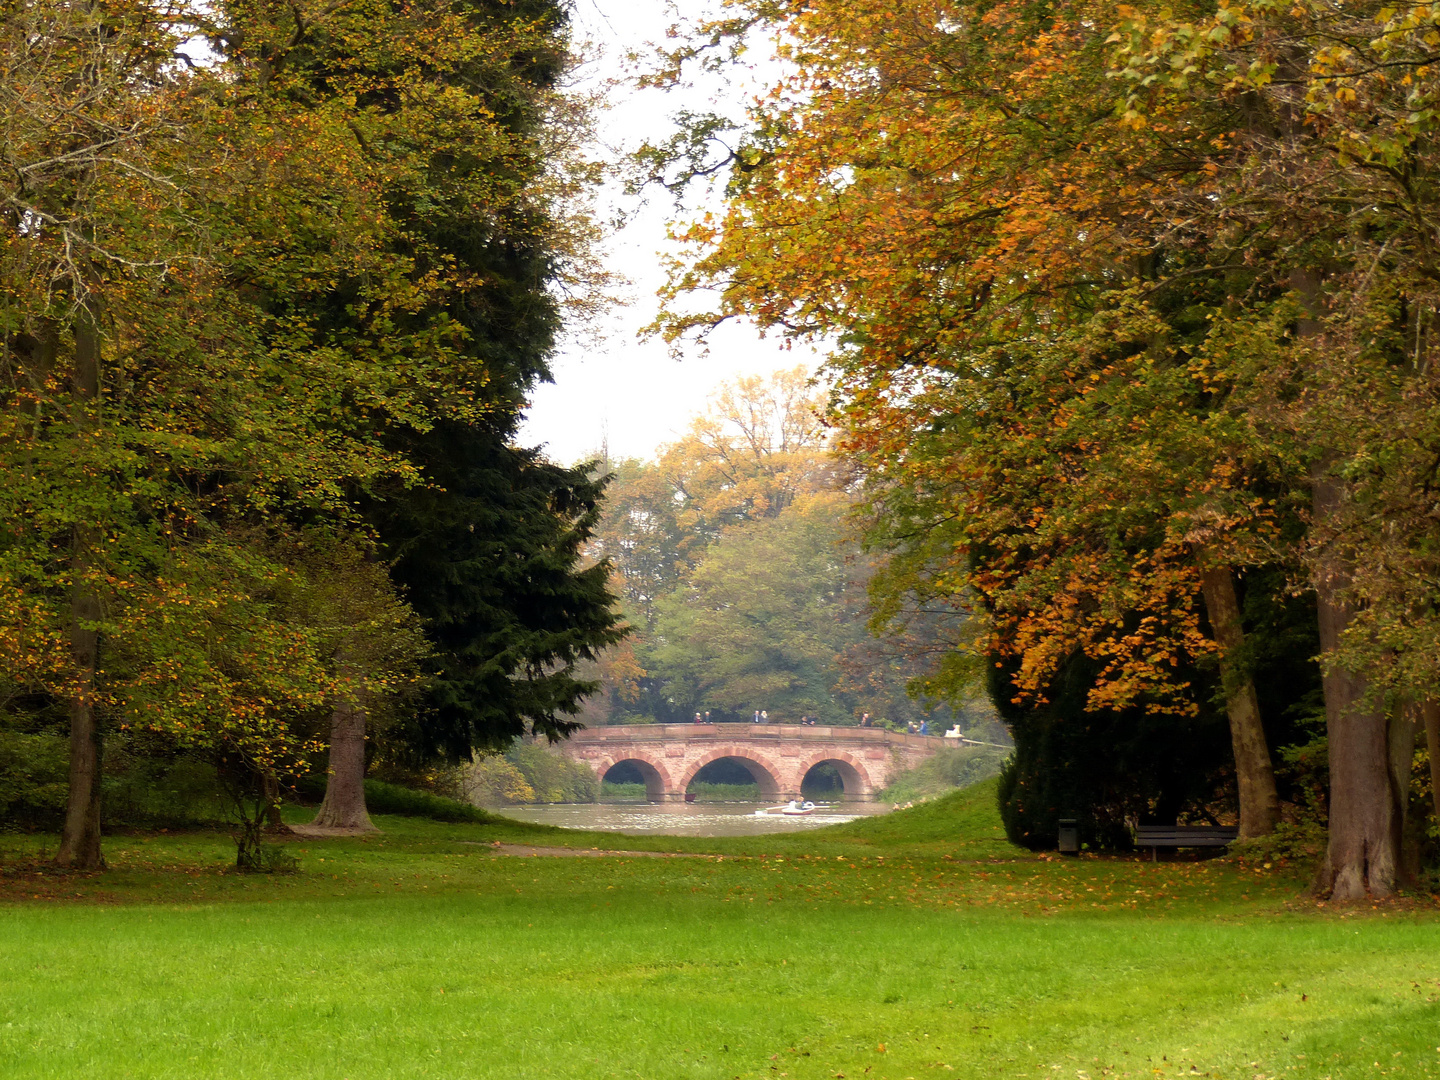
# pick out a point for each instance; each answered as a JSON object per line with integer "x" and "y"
{"x": 737, "y": 558}
{"x": 246, "y": 299}
{"x": 1129, "y": 307}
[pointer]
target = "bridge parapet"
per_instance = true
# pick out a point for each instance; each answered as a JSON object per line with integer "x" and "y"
{"x": 777, "y": 755}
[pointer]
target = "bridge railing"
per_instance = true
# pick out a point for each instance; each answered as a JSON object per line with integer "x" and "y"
{"x": 672, "y": 733}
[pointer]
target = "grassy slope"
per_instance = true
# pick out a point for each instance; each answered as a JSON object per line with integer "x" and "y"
{"x": 419, "y": 953}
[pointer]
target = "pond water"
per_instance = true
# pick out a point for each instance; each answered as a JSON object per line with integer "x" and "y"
{"x": 687, "y": 819}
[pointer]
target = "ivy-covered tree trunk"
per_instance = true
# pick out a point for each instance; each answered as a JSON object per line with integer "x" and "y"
{"x": 1363, "y": 854}
{"x": 270, "y": 784}
{"x": 1254, "y": 772}
{"x": 1430, "y": 721}
{"x": 1404, "y": 728}
{"x": 344, "y": 805}
{"x": 80, "y": 836}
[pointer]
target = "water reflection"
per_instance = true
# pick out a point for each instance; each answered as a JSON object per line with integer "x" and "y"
{"x": 687, "y": 819}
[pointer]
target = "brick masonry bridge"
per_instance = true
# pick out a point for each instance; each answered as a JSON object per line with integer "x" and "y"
{"x": 778, "y": 756}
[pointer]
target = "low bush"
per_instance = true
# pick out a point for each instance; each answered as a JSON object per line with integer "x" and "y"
{"x": 622, "y": 792}
{"x": 948, "y": 769}
{"x": 145, "y": 790}
{"x": 552, "y": 777}
{"x": 383, "y": 798}
{"x": 141, "y": 788}
{"x": 530, "y": 772}
{"x": 266, "y": 859}
{"x": 33, "y": 780}
{"x": 1300, "y": 843}
{"x": 704, "y": 792}
{"x": 495, "y": 781}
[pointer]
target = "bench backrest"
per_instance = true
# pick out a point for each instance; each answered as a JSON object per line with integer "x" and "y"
{"x": 1186, "y": 832}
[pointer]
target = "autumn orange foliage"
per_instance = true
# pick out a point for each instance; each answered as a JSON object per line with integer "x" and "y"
{"x": 1127, "y": 301}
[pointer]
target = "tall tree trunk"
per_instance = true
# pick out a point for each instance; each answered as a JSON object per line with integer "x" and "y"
{"x": 1364, "y": 848}
{"x": 344, "y": 805}
{"x": 1363, "y": 854}
{"x": 80, "y": 836}
{"x": 1430, "y": 721}
{"x": 1254, "y": 772}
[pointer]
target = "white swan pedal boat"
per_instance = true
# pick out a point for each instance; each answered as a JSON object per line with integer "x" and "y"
{"x": 794, "y": 808}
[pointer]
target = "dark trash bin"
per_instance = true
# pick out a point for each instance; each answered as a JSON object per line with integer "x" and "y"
{"x": 1069, "y": 836}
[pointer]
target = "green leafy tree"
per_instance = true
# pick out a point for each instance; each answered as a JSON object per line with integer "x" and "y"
{"x": 763, "y": 619}
{"x": 456, "y": 119}
{"x": 211, "y": 346}
{"x": 736, "y": 557}
{"x": 758, "y": 446}
{"x": 139, "y": 424}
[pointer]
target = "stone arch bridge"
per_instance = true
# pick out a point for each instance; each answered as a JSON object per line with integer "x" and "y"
{"x": 778, "y": 756}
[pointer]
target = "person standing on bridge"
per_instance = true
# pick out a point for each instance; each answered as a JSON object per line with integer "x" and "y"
{"x": 764, "y": 717}
{"x": 757, "y": 717}
{"x": 707, "y": 716}
{"x": 697, "y": 718}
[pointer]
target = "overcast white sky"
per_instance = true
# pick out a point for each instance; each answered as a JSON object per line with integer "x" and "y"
{"x": 618, "y": 388}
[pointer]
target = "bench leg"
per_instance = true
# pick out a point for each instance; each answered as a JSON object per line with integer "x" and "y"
{"x": 1154, "y": 853}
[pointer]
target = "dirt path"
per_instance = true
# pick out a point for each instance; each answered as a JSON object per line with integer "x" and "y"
{"x": 322, "y": 832}
{"x": 591, "y": 853}
{"x": 316, "y": 832}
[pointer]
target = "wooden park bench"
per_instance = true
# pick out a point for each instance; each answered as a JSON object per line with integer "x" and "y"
{"x": 1157, "y": 836}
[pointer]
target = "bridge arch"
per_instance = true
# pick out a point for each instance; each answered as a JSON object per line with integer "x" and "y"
{"x": 651, "y": 768}
{"x": 762, "y": 769}
{"x": 855, "y": 778}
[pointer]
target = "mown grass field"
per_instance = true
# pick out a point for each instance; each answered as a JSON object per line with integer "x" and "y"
{"x": 915, "y": 945}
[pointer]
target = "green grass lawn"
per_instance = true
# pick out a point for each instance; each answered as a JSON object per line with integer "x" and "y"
{"x": 913, "y": 945}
